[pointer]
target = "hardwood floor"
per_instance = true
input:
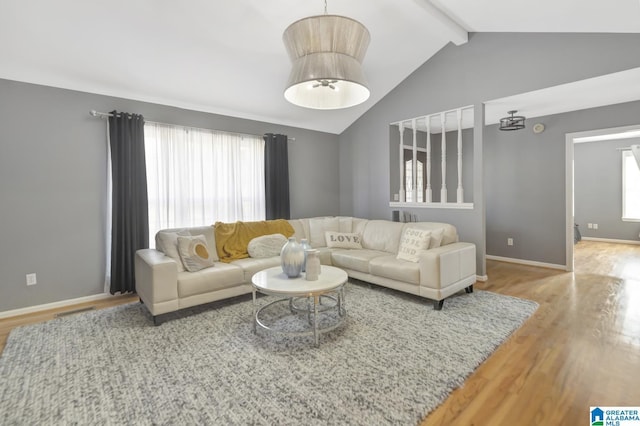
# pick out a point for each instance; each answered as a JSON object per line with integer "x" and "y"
{"x": 6, "y": 324}
{"x": 581, "y": 348}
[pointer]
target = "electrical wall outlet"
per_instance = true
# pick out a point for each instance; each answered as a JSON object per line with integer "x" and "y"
{"x": 31, "y": 279}
{"x": 509, "y": 241}
{"x": 595, "y": 226}
{"x": 590, "y": 225}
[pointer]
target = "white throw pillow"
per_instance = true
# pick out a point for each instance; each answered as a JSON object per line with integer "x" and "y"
{"x": 266, "y": 245}
{"x": 167, "y": 242}
{"x": 194, "y": 252}
{"x": 343, "y": 240}
{"x": 413, "y": 242}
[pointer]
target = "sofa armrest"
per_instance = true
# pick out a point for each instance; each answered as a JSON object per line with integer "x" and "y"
{"x": 156, "y": 277}
{"x": 445, "y": 265}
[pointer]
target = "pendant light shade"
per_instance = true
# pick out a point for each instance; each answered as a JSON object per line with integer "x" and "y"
{"x": 326, "y": 52}
{"x": 513, "y": 122}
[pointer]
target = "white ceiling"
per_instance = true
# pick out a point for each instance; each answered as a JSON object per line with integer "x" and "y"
{"x": 594, "y": 92}
{"x": 227, "y": 57}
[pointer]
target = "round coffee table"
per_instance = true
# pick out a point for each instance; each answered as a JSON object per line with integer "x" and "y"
{"x": 329, "y": 286}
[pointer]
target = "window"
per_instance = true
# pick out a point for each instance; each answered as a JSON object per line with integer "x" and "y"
{"x": 630, "y": 188}
{"x": 198, "y": 176}
{"x": 408, "y": 172}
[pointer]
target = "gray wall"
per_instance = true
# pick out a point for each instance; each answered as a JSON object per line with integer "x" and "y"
{"x": 525, "y": 181}
{"x": 598, "y": 189}
{"x": 53, "y": 162}
{"x": 489, "y": 66}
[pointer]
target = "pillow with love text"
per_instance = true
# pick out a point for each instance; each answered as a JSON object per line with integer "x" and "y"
{"x": 343, "y": 240}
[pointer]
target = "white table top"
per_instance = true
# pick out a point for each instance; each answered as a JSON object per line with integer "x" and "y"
{"x": 274, "y": 281}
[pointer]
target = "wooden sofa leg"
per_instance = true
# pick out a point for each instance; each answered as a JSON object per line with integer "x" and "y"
{"x": 437, "y": 304}
{"x": 469, "y": 289}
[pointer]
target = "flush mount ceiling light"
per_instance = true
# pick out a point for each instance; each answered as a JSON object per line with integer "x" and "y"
{"x": 326, "y": 52}
{"x": 513, "y": 122}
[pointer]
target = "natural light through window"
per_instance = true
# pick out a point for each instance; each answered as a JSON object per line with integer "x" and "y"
{"x": 630, "y": 188}
{"x": 419, "y": 181}
{"x": 198, "y": 176}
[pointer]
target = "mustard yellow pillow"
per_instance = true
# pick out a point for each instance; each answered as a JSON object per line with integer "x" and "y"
{"x": 194, "y": 253}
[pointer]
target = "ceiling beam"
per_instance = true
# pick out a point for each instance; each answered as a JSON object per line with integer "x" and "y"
{"x": 457, "y": 34}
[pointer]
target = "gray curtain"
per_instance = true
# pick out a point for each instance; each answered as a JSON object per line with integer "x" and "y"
{"x": 130, "y": 219}
{"x": 276, "y": 170}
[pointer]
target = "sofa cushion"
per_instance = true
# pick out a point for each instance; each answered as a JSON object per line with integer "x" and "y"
{"x": 413, "y": 242}
{"x": 437, "y": 236}
{"x": 298, "y": 228}
{"x": 343, "y": 240}
{"x": 345, "y": 223}
{"x": 220, "y": 276}
{"x": 167, "y": 242}
{"x": 318, "y": 227}
{"x": 400, "y": 270}
{"x": 194, "y": 253}
{"x": 358, "y": 225}
{"x": 250, "y": 266}
{"x": 266, "y": 246}
{"x": 382, "y": 235}
{"x": 357, "y": 260}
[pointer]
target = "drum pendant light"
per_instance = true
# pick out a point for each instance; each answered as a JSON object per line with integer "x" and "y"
{"x": 326, "y": 52}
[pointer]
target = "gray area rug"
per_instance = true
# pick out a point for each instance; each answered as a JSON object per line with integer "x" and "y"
{"x": 392, "y": 361}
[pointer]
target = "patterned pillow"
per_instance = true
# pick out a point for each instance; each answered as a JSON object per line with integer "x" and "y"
{"x": 194, "y": 253}
{"x": 413, "y": 242}
{"x": 266, "y": 245}
{"x": 343, "y": 240}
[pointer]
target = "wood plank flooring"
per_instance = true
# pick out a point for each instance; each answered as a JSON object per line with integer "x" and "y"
{"x": 6, "y": 324}
{"x": 580, "y": 348}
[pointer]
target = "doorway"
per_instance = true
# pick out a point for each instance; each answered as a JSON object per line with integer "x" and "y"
{"x": 622, "y": 134}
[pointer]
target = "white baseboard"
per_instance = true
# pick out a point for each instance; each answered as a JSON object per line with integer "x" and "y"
{"x": 609, "y": 240}
{"x": 527, "y": 262}
{"x": 54, "y": 305}
{"x": 482, "y": 278}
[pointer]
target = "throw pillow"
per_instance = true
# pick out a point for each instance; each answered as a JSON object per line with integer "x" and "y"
{"x": 167, "y": 242}
{"x": 194, "y": 253}
{"x": 413, "y": 242}
{"x": 266, "y": 245}
{"x": 346, "y": 240}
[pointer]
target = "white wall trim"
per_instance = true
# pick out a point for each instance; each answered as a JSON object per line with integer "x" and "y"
{"x": 527, "y": 262}
{"x": 482, "y": 278}
{"x": 569, "y": 214}
{"x": 466, "y": 206}
{"x": 54, "y": 305}
{"x": 611, "y": 240}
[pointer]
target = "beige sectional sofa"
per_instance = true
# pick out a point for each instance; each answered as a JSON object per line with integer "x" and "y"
{"x": 164, "y": 286}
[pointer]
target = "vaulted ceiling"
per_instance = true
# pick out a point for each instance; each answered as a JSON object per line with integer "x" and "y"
{"x": 227, "y": 57}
